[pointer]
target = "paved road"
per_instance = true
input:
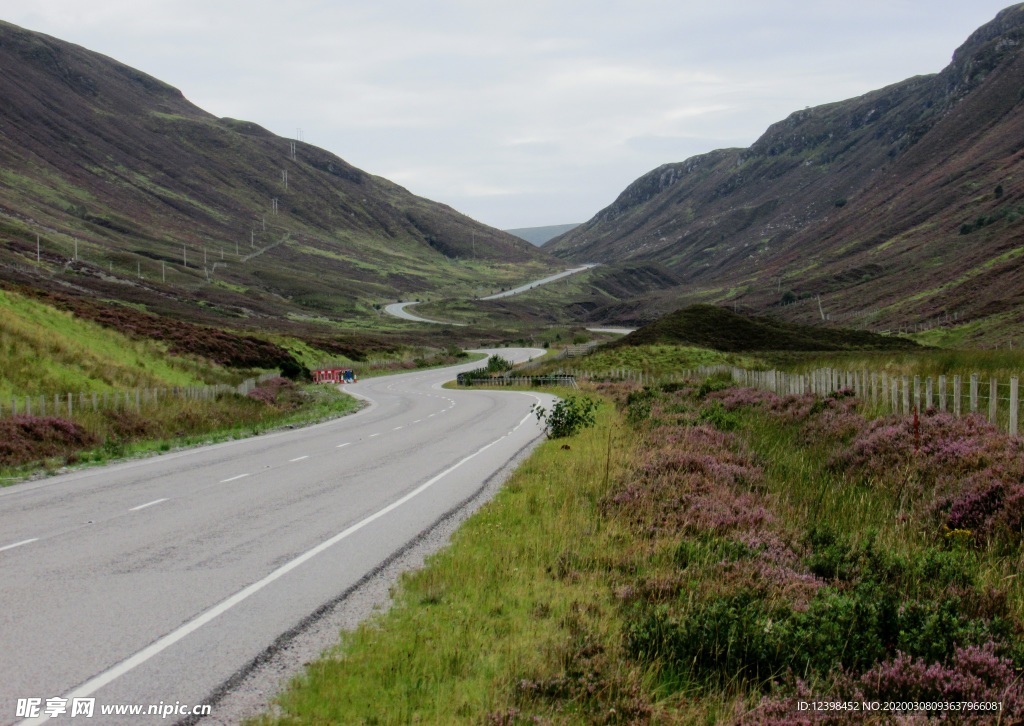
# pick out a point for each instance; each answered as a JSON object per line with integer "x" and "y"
{"x": 156, "y": 581}
{"x": 399, "y": 311}
{"x": 535, "y": 283}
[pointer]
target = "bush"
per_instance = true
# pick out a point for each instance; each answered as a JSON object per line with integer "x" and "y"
{"x": 497, "y": 364}
{"x": 568, "y": 416}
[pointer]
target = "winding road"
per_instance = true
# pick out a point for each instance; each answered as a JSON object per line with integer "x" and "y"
{"x": 399, "y": 310}
{"x": 164, "y": 580}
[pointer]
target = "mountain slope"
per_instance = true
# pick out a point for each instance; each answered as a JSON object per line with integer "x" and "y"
{"x": 138, "y": 195}
{"x": 896, "y": 207}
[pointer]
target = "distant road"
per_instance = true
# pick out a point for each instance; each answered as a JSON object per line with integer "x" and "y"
{"x": 399, "y": 311}
{"x": 160, "y": 580}
{"x": 614, "y": 331}
{"x": 535, "y": 283}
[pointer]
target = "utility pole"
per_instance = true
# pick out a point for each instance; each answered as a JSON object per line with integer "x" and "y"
{"x": 184, "y": 255}
{"x": 284, "y": 180}
{"x": 76, "y": 250}
{"x": 37, "y": 247}
{"x": 163, "y": 271}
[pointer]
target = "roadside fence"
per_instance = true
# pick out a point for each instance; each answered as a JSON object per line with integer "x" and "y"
{"x": 977, "y": 395}
{"x": 66, "y": 404}
{"x": 552, "y": 380}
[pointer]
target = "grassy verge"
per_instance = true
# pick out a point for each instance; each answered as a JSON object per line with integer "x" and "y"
{"x": 37, "y": 444}
{"x": 520, "y": 592}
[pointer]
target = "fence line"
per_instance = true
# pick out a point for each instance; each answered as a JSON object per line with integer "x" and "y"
{"x": 550, "y": 380}
{"x": 127, "y": 399}
{"x": 998, "y": 401}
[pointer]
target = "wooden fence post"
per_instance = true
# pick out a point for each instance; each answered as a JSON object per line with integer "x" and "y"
{"x": 957, "y": 395}
{"x": 993, "y": 400}
{"x": 917, "y": 393}
{"x": 974, "y": 393}
{"x": 928, "y": 392}
{"x": 906, "y": 395}
{"x": 942, "y": 393}
{"x": 1013, "y": 406}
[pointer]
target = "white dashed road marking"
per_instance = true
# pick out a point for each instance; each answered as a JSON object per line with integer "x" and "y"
{"x": 147, "y": 504}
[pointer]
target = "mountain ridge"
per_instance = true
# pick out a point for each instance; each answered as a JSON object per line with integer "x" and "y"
{"x": 134, "y": 190}
{"x": 865, "y": 203}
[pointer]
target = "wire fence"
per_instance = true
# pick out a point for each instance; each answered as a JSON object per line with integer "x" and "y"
{"x": 67, "y": 404}
{"x": 997, "y": 400}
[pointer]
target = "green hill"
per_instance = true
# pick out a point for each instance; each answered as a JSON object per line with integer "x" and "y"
{"x": 708, "y": 326}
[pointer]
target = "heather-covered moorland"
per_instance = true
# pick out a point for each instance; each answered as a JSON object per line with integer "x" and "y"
{"x": 712, "y": 554}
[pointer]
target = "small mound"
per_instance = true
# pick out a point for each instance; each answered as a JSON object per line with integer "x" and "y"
{"x": 708, "y": 326}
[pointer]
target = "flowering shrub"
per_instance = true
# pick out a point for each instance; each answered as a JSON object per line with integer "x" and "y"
{"x": 279, "y": 392}
{"x": 24, "y": 439}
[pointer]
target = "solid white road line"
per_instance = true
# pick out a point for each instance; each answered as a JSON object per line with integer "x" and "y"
{"x": 343, "y": 445}
{"x": 234, "y": 478}
{"x": 91, "y": 686}
{"x": 300, "y": 458}
{"x": 19, "y": 544}
{"x": 147, "y": 504}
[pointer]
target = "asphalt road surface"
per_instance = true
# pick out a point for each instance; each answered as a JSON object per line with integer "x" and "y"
{"x": 399, "y": 311}
{"x": 156, "y": 581}
{"x": 535, "y": 283}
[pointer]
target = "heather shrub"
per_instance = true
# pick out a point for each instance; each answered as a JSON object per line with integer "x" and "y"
{"x": 742, "y": 636}
{"x": 638, "y": 406}
{"x": 278, "y": 392}
{"x": 716, "y": 415}
{"x": 975, "y": 673}
{"x": 713, "y": 383}
{"x": 25, "y": 439}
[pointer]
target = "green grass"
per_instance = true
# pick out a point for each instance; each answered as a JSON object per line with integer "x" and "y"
{"x": 511, "y": 596}
{"x": 1001, "y": 363}
{"x": 655, "y": 359}
{"x": 170, "y": 424}
{"x": 46, "y": 350}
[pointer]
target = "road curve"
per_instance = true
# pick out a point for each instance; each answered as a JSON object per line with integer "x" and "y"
{"x": 160, "y": 580}
{"x": 399, "y": 311}
{"x": 535, "y": 283}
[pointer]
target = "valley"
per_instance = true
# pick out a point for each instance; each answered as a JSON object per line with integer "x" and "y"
{"x": 748, "y": 436}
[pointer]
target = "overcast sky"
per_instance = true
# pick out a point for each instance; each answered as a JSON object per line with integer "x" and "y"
{"x": 519, "y": 113}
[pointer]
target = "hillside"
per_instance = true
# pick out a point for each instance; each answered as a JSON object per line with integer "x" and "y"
{"x": 539, "y": 235}
{"x": 708, "y": 326}
{"x": 903, "y": 206}
{"x": 114, "y": 187}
